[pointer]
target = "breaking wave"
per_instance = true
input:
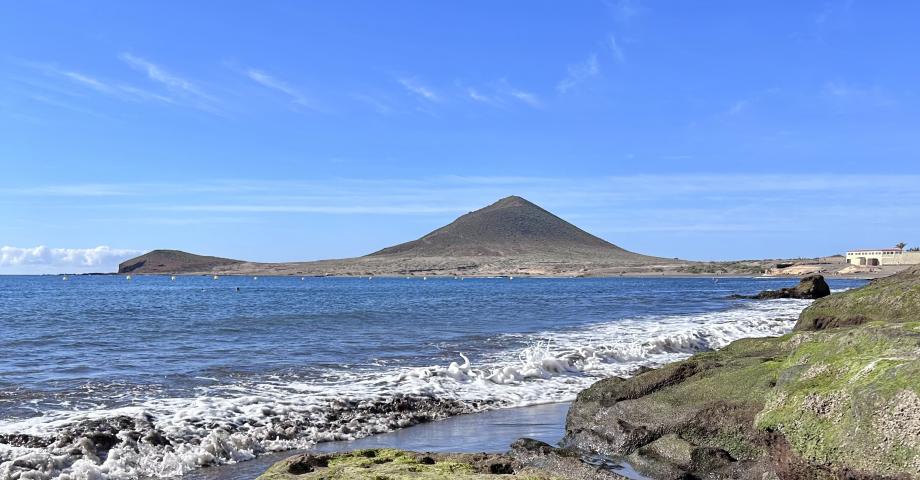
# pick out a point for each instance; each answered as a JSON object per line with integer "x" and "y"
{"x": 168, "y": 437}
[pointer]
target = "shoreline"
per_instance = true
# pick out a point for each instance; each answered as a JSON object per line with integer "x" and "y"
{"x": 490, "y": 431}
{"x": 476, "y": 277}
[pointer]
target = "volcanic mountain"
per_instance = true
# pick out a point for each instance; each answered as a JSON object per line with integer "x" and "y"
{"x": 509, "y": 227}
{"x": 510, "y": 237}
{"x": 173, "y": 261}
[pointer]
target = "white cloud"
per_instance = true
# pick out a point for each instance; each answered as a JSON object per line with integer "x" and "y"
{"x": 502, "y": 94}
{"x": 45, "y": 259}
{"x": 161, "y": 75}
{"x": 738, "y": 107}
{"x": 274, "y": 83}
{"x": 479, "y": 97}
{"x": 417, "y": 88}
{"x": 526, "y": 97}
{"x": 872, "y": 96}
{"x": 616, "y": 49}
{"x": 114, "y": 89}
{"x": 89, "y": 82}
{"x": 578, "y": 73}
{"x": 624, "y": 10}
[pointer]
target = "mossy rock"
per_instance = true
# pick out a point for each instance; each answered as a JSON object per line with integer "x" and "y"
{"x": 850, "y": 398}
{"x": 806, "y": 405}
{"x": 892, "y": 299}
{"x": 392, "y": 464}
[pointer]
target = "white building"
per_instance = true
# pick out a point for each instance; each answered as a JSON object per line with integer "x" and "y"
{"x": 882, "y": 256}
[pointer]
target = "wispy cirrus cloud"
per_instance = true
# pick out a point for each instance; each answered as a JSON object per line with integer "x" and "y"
{"x": 526, "y": 97}
{"x": 110, "y": 88}
{"x": 502, "y": 94}
{"x": 873, "y": 96}
{"x": 616, "y": 49}
{"x": 419, "y": 89}
{"x": 578, "y": 73}
{"x": 278, "y": 85}
{"x": 171, "y": 81}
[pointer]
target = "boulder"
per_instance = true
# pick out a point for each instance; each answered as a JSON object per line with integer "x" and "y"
{"x": 810, "y": 287}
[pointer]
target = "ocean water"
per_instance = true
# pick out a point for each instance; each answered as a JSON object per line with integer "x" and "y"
{"x": 102, "y": 377}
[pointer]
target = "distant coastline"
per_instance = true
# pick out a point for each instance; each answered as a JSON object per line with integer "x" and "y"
{"x": 511, "y": 237}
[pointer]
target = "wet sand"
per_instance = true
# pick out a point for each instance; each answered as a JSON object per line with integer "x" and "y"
{"x": 491, "y": 432}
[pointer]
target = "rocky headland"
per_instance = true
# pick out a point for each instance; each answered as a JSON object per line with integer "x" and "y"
{"x": 838, "y": 397}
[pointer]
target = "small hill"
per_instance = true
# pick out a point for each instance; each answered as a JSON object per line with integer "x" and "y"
{"x": 173, "y": 261}
{"x": 510, "y": 227}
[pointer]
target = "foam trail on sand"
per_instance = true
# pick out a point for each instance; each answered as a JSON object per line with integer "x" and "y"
{"x": 162, "y": 437}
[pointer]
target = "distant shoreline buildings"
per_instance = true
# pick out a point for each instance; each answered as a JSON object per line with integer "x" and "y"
{"x": 883, "y": 256}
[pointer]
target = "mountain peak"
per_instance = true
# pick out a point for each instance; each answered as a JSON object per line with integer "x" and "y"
{"x": 512, "y": 226}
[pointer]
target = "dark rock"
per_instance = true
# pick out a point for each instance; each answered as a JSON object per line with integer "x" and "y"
{"x": 307, "y": 463}
{"x": 810, "y": 287}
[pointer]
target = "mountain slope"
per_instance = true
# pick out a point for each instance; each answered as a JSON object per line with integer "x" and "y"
{"x": 509, "y": 227}
{"x": 173, "y": 261}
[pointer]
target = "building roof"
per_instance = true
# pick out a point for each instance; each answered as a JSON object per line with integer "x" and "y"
{"x": 875, "y": 250}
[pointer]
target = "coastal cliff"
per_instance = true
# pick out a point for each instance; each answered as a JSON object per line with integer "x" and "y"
{"x": 839, "y": 397}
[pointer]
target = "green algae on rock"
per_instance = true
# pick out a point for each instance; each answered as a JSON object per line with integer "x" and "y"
{"x": 849, "y": 398}
{"x": 841, "y": 402}
{"x": 892, "y": 299}
{"x": 392, "y": 464}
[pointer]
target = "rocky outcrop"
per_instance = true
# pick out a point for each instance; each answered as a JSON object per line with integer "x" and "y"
{"x": 174, "y": 261}
{"x": 810, "y": 287}
{"x": 891, "y": 299}
{"x": 391, "y": 464}
{"x": 838, "y": 403}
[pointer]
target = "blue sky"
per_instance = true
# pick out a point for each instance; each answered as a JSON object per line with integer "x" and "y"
{"x": 303, "y": 130}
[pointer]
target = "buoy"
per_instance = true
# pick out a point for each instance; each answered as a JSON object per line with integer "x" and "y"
{"x": 215, "y": 277}
{"x": 424, "y": 278}
{"x": 301, "y": 279}
{"x": 510, "y": 278}
{"x": 172, "y": 277}
{"x": 128, "y": 277}
{"x": 255, "y": 278}
{"x": 64, "y": 278}
{"x": 370, "y": 278}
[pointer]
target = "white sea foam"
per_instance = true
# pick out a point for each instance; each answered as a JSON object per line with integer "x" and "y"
{"x": 163, "y": 437}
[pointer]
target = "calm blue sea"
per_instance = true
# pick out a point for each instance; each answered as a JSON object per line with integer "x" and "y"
{"x": 106, "y": 377}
